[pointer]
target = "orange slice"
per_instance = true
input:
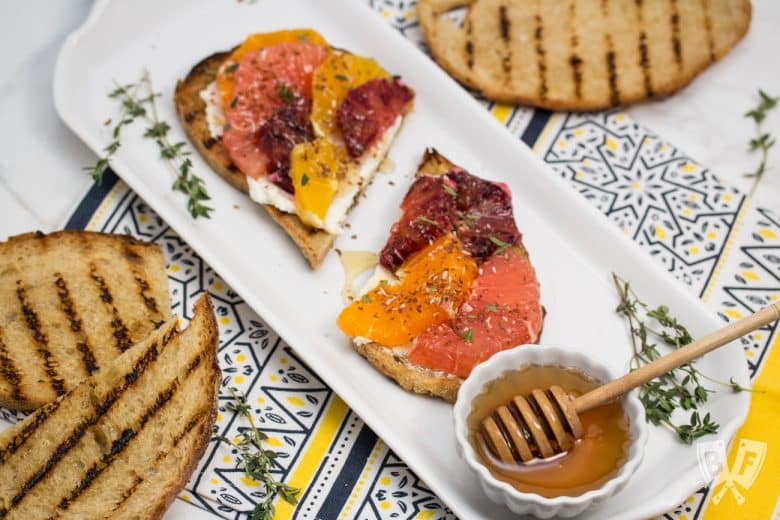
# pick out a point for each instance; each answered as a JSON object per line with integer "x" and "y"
{"x": 433, "y": 284}
{"x": 333, "y": 78}
{"x": 225, "y": 81}
{"x": 316, "y": 167}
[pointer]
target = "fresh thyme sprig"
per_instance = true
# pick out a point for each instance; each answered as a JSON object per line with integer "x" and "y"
{"x": 129, "y": 113}
{"x": 678, "y": 389}
{"x": 763, "y": 140}
{"x": 258, "y": 461}
{"x": 138, "y": 101}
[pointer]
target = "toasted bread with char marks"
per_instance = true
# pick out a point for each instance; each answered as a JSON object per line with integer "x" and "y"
{"x": 71, "y": 302}
{"x": 123, "y": 442}
{"x": 580, "y": 55}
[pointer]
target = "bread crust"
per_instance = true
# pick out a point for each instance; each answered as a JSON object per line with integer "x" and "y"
{"x": 410, "y": 377}
{"x": 442, "y": 35}
{"x": 203, "y": 306}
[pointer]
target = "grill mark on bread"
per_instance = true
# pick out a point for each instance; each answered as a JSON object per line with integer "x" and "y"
{"x": 575, "y": 61}
{"x": 705, "y": 6}
{"x": 40, "y": 339}
{"x": 506, "y": 60}
{"x": 540, "y": 56}
{"x": 146, "y": 360}
{"x": 160, "y": 455}
{"x": 128, "y": 493}
{"x": 469, "y": 47}
{"x": 674, "y": 19}
{"x": 43, "y": 414}
{"x": 208, "y": 143}
{"x": 644, "y": 56}
{"x": 120, "y": 332}
{"x": 140, "y": 275}
{"x": 10, "y": 373}
{"x": 68, "y": 307}
{"x": 118, "y": 445}
{"x": 614, "y": 92}
{"x": 39, "y": 417}
{"x": 188, "y": 428}
{"x": 143, "y": 287}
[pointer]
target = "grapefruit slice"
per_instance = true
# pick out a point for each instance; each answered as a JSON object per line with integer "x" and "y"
{"x": 433, "y": 284}
{"x": 266, "y": 81}
{"x": 254, "y": 42}
{"x": 503, "y": 310}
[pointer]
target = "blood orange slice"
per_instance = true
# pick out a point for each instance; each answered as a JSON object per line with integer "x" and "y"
{"x": 432, "y": 285}
{"x": 503, "y": 310}
{"x": 369, "y": 110}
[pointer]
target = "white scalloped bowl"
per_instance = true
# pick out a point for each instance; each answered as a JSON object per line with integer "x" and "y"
{"x": 531, "y": 503}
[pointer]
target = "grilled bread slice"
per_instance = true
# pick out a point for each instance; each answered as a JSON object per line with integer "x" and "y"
{"x": 123, "y": 442}
{"x": 70, "y": 302}
{"x": 586, "y": 55}
{"x": 393, "y": 362}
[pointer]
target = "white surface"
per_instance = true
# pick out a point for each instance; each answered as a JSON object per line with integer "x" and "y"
{"x": 503, "y": 492}
{"x": 574, "y": 256}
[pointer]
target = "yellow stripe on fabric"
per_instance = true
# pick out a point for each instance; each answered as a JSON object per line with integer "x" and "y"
{"x": 759, "y": 433}
{"x": 108, "y": 202}
{"x": 545, "y": 134}
{"x": 730, "y": 240}
{"x": 502, "y": 112}
{"x": 312, "y": 458}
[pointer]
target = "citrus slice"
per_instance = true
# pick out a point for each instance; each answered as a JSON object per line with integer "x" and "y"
{"x": 332, "y": 80}
{"x": 226, "y": 73}
{"x": 432, "y": 285}
{"x": 503, "y": 310}
{"x": 316, "y": 167}
{"x": 266, "y": 81}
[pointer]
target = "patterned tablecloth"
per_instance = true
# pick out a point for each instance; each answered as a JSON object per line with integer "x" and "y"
{"x": 705, "y": 233}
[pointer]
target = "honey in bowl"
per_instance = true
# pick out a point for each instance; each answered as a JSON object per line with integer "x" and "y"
{"x": 593, "y": 460}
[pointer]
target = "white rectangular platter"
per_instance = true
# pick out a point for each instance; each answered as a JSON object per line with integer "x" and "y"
{"x": 573, "y": 248}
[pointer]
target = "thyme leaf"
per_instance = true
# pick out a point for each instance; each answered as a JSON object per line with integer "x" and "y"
{"x": 763, "y": 141}
{"x": 138, "y": 102}
{"x": 679, "y": 389}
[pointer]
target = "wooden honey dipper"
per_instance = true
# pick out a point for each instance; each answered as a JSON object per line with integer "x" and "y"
{"x": 546, "y": 423}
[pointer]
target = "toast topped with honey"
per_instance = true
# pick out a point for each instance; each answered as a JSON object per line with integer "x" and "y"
{"x": 299, "y": 126}
{"x": 454, "y": 284}
{"x": 71, "y": 302}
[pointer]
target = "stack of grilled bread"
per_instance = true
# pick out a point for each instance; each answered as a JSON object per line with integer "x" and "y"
{"x": 124, "y": 401}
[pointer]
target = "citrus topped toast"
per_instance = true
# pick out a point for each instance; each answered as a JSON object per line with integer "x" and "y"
{"x": 298, "y": 125}
{"x": 454, "y": 284}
